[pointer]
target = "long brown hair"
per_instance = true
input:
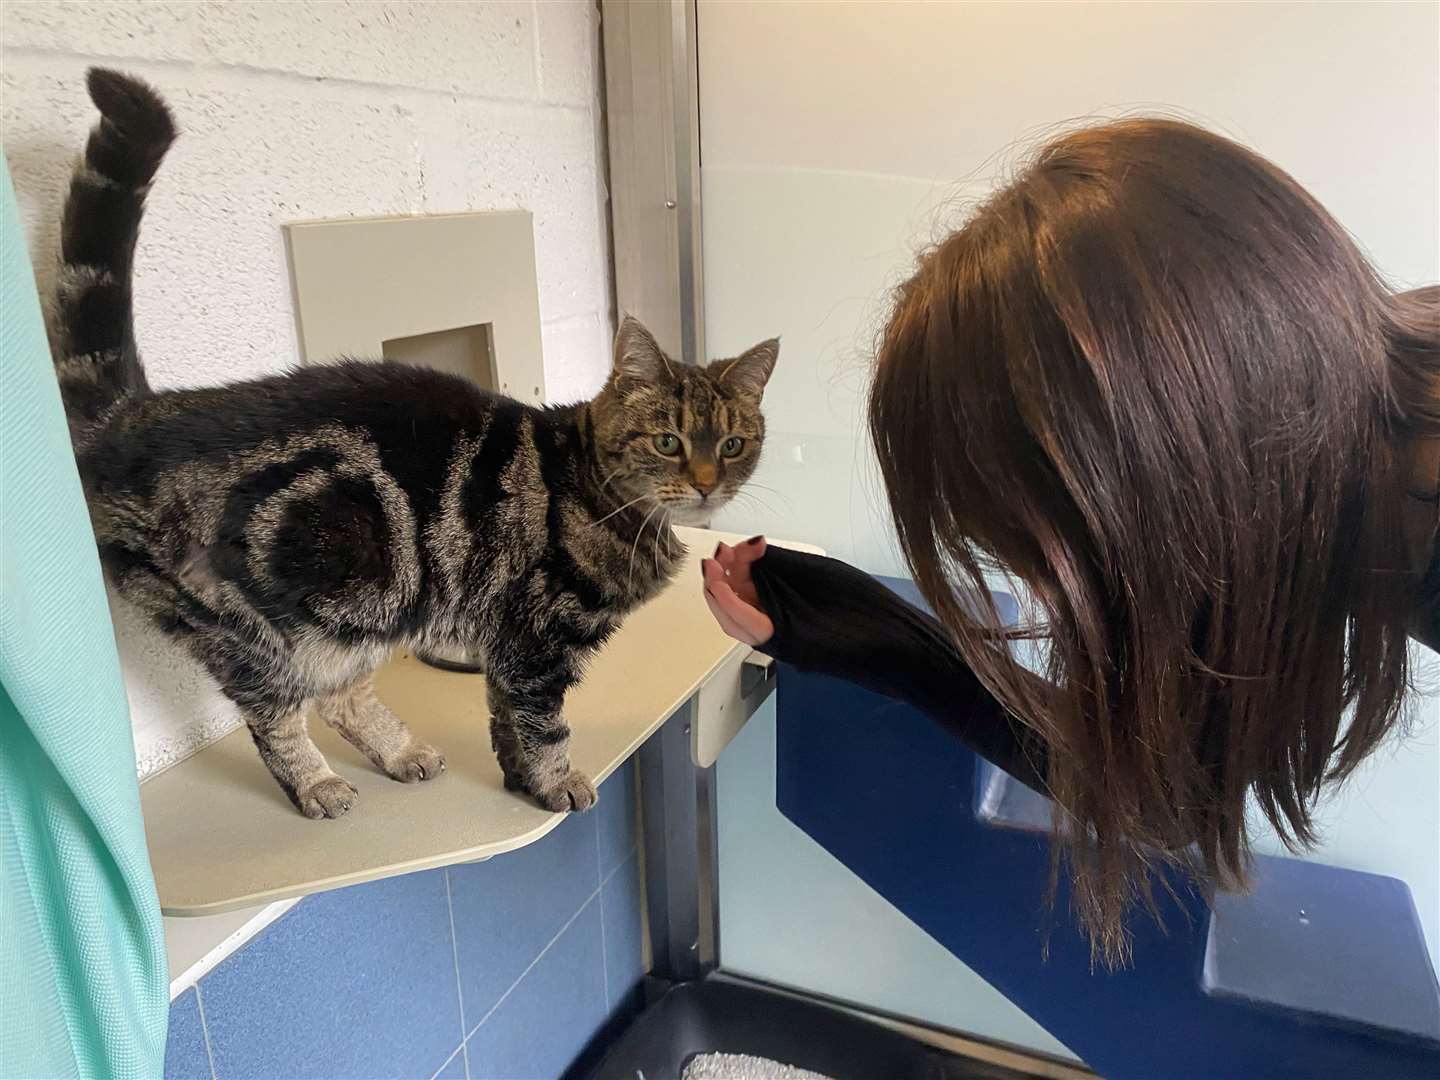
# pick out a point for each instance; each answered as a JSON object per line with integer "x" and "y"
{"x": 1154, "y": 380}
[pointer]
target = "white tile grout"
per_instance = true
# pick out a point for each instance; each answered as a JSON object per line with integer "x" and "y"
{"x": 455, "y": 954}
{"x": 463, "y": 1048}
{"x": 538, "y": 956}
{"x": 604, "y": 951}
{"x": 465, "y": 1037}
{"x": 447, "y": 1061}
{"x": 39, "y": 55}
{"x": 558, "y": 934}
{"x": 205, "y": 1031}
{"x": 620, "y": 865}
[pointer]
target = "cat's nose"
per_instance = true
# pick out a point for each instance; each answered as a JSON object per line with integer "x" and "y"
{"x": 704, "y": 479}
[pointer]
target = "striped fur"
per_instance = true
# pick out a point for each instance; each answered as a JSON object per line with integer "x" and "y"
{"x": 293, "y": 531}
{"x": 97, "y": 361}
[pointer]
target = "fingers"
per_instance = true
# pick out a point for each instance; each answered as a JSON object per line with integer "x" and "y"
{"x": 722, "y": 618}
{"x": 735, "y": 569}
{"x": 750, "y": 550}
{"x": 737, "y": 618}
{"x": 741, "y": 554}
{"x": 725, "y": 555}
{"x": 712, "y": 571}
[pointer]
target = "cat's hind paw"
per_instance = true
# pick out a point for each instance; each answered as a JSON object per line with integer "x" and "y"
{"x": 418, "y": 761}
{"x": 573, "y": 792}
{"x": 329, "y": 797}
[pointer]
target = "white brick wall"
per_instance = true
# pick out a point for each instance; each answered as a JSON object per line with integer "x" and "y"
{"x": 295, "y": 111}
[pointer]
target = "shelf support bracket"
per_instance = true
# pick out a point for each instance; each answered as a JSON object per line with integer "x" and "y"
{"x": 677, "y": 799}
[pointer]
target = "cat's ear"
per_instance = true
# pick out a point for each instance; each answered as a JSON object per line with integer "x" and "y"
{"x": 639, "y": 360}
{"x": 750, "y": 371}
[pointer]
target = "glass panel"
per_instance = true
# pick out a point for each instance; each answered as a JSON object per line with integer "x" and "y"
{"x": 839, "y": 139}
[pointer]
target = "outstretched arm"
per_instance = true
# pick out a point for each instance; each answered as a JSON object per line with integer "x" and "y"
{"x": 824, "y": 616}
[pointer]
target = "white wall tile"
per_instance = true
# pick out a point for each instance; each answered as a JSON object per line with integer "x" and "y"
{"x": 531, "y": 156}
{"x": 571, "y": 346}
{"x": 568, "y": 33}
{"x": 116, "y": 28}
{"x": 461, "y": 47}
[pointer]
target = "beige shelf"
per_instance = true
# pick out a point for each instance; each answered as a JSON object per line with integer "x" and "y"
{"x": 222, "y": 836}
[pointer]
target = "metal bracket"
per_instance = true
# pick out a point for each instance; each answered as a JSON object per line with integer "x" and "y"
{"x": 677, "y": 803}
{"x": 757, "y": 679}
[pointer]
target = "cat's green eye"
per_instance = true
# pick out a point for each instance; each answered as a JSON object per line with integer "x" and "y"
{"x": 732, "y": 446}
{"x": 667, "y": 444}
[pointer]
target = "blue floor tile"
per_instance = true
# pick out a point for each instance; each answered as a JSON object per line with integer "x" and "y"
{"x": 615, "y": 817}
{"x": 549, "y": 1017}
{"x": 620, "y": 905}
{"x": 359, "y": 982}
{"x": 509, "y": 908}
{"x": 454, "y": 1068}
{"x": 185, "y": 1056}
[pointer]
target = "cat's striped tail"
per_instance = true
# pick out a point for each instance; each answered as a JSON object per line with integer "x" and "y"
{"x": 96, "y": 358}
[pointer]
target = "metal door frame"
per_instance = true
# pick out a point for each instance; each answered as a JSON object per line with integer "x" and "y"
{"x": 652, "y": 116}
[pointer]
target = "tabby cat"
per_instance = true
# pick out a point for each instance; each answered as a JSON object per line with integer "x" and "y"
{"x": 293, "y": 531}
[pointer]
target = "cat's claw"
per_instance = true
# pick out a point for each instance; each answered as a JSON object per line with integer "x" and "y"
{"x": 327, "y": 798}
{"x": 419, "y": 761}
{"x": 574, "y": 792}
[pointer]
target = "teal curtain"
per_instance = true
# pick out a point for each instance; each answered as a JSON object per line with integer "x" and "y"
{"x": 83, "y": 986}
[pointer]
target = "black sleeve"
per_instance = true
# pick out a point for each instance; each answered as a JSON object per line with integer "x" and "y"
{"x": 833, "y": 619}
{"x": 1425, "y": 617}
{"x": 1425, "y": 623}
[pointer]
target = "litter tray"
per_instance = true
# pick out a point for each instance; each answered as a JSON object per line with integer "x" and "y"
{"x": 723, "y": 1017}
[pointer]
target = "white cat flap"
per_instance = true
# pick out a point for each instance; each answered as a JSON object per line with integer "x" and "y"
{"x": 452, "y": 291}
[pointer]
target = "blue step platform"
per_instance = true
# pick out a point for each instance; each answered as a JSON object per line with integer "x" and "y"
{"x": 1317, "y": 972}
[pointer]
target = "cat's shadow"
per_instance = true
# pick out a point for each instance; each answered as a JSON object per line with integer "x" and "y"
{"x": 40, "y": 169}
{"x": 255, "y": 781}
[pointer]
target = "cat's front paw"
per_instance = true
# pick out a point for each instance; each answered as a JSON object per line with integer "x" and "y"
{"x": 418, "y": 761}
{"x": 574, "y": 791}
{"x": 329, "y": 797}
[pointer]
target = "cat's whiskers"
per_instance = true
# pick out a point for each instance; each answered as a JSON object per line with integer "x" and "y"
{"x": 669, "y": 535}
{"x": 626, "y": 506}
{"x": 750, "y": 485}
{"x": 753, "y": 501}
{"x": 614, "y": 474}
{"x": 764, "y": 504}
{"x": 630, "y": 585}
{"x": 753, "y": 484}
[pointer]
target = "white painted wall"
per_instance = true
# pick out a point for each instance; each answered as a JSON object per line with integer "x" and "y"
{"x": 839, "y": 137}
{"x": 298, "y": 111}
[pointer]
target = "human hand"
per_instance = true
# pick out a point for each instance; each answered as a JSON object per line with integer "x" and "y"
{"x": 730, "y": 592}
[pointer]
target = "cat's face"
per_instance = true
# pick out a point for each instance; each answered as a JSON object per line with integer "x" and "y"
{"x": 676, "y": 439}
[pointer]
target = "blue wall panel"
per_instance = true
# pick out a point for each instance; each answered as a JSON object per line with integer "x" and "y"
{"x": 370, "y": 982}
{"x": 892, "y": 796}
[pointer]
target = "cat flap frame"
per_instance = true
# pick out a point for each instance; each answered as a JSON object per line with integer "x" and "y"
{"x": 458, "y": 282}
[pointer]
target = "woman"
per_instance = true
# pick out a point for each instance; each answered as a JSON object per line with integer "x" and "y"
{"x": 1159, "y": 384}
